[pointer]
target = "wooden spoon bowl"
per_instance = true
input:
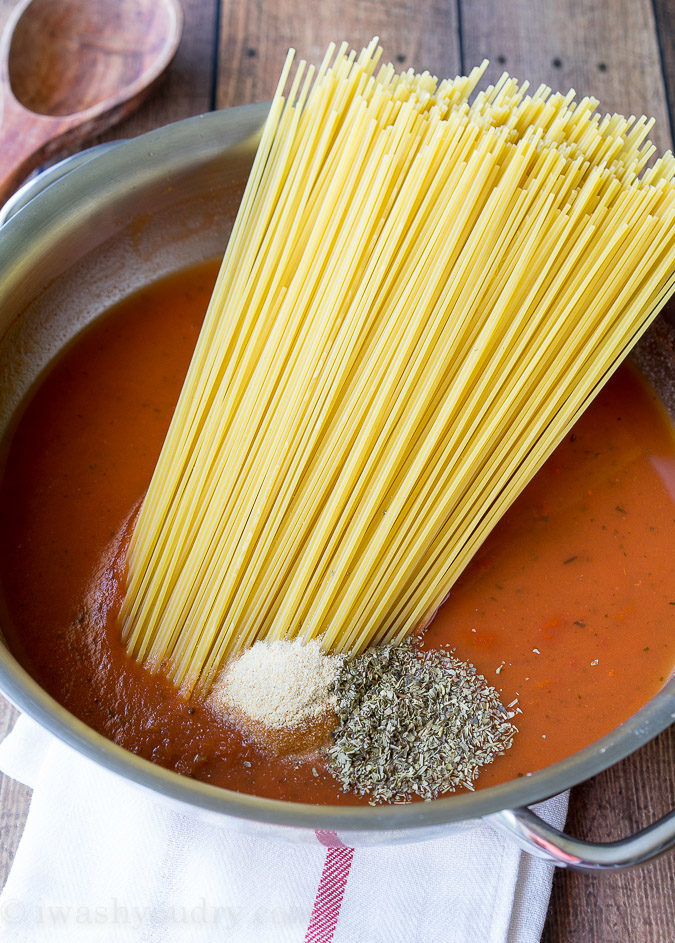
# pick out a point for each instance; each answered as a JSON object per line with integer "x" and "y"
{"x": 71, "y": 68}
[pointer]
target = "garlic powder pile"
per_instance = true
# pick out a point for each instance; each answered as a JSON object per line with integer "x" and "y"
{"x": 279, "y": 684}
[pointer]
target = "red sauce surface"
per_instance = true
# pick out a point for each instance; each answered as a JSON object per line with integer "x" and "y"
{"x": 572, "y": 593}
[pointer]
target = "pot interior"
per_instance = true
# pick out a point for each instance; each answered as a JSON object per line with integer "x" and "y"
{"x": 156, "y": 205}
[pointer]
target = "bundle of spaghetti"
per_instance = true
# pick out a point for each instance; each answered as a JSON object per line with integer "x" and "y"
{"x": 420, "y": 295}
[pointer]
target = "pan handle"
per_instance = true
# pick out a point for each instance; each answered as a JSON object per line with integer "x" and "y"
{"x": 539, "y": 838}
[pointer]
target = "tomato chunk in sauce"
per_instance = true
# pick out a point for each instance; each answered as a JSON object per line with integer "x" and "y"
{"x": 568, "y": 606}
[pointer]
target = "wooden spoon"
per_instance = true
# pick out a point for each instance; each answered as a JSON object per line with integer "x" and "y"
{"x": 71, "y": 68}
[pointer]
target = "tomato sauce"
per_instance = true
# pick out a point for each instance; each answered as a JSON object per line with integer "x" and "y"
{"x": 568, "y": 606}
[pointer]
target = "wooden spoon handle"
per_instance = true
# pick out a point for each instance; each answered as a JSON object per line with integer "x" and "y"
{"x": 24, "y": 142}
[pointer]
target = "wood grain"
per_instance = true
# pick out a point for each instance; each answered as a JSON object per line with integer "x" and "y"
{"x": 664, "y": 13}
{"x": 605, "y": 48}
{"x": 189, "y": 86}
{"x": 255, "y": 36}
{"x": 609, "y": 48}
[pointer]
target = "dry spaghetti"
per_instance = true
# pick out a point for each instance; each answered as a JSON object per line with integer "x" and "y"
{"x": 419, "y": 296}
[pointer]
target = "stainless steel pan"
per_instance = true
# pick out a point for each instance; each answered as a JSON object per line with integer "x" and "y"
{"x": 83, "y": 238}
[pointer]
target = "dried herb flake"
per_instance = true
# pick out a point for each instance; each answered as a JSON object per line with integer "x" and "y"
{"x": 414, "y": 723}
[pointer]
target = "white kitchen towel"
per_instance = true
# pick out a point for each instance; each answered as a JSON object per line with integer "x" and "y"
{"x": 102, "y": 860}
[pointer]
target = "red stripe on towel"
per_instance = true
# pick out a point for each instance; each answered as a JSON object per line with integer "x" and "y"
{"x": 329, "y": 839}
{"x": 331, "y": 889}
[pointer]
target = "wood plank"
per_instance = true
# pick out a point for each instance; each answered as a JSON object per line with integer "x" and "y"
{"x": 254, "y": 38}
{"x": 664, "y": 13}
{"x": 605, "y": 48}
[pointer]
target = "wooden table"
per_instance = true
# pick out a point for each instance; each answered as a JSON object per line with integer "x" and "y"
{"x": 621, "y": 51}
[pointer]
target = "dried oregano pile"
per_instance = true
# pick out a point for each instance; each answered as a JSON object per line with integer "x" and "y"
{"x": 414, "y": 723}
